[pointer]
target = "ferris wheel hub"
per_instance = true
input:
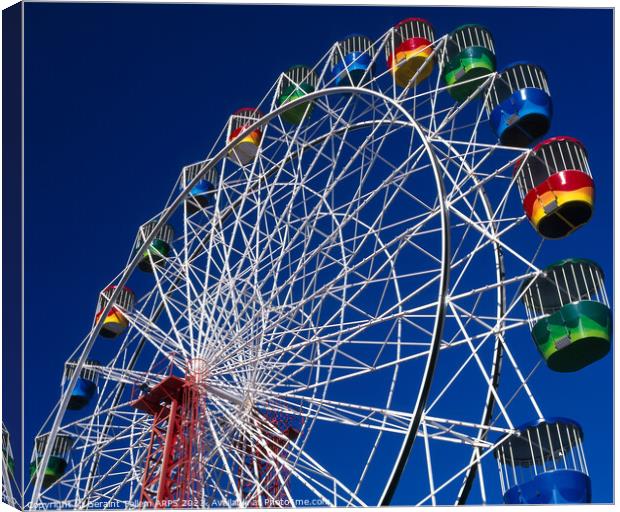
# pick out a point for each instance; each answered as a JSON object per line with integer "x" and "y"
{"x": 198, "y": 370}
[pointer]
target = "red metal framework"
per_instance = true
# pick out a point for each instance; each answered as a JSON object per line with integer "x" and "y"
{"x": 264, "y": 460}
{"x": 170, "y": 477}
{"x": 172, "y": 467}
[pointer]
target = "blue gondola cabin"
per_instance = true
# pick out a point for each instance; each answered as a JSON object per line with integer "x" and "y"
{"x": 351, "y": 61}
{"x": 202, "y": 193}
{"x": 544, "y": 464}
{"x": 519, "y": 105}
{"x": 85, "y": 386}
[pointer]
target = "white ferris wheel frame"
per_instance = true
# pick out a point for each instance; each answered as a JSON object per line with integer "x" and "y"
{"x": 444, "y": 302}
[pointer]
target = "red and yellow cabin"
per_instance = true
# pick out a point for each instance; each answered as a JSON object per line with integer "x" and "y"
{"x": 115, "y": 321}
{"x": 408, "y": 54}
{"x": 245, "y": 150}
{"x": 556, "y": 186}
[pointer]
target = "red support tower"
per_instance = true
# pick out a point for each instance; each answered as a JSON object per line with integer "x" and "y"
{"x": 170, "y": 474}
{"x": 263, "y": 460}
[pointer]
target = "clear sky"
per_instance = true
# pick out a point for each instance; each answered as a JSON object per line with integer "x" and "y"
{"x": 119, "y": 97}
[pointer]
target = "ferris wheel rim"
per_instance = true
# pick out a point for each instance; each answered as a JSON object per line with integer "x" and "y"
{"x": 489, "y": 405}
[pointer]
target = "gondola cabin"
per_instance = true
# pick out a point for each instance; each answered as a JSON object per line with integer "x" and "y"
{"x": 519, "y": 105}
{"x": 568, "y": 313}
{"x": 409, "y": 51}
{"x": 351, "y": 61}
{"x": 544, "y": 464}
{"x": 469, "y": 56}
{"x": 85, "y": 386}
{"x": 556, "y": 186}
{"x": 245, "y": 150}
{"x": 115, "y": 322}
{"x": 201, "y": 194}
{"x": 57, "y": 463}
{"x": 295, "y": 83}
{"x": 7, "y": 453}
{"x": 158, "y": 250}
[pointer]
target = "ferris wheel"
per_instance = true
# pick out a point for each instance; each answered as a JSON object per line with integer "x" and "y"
{"x": 323, "y": 310}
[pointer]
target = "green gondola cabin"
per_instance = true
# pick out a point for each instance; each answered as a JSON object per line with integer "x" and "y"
{"x": 568, "y": 313}
{"x": 296, "y": 83}
{"x": 556, "y": 186}
{"x": 58, "y": 460}
{"x": 116, "y": 321}
{"x": 7, "y": 453}
{"x": 409, "y": 51}
{"x": 468, "y": 58}
{"x": 158, "y": 250}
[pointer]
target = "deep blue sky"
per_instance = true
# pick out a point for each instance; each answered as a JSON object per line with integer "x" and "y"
{"x": 119, "y": 97}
